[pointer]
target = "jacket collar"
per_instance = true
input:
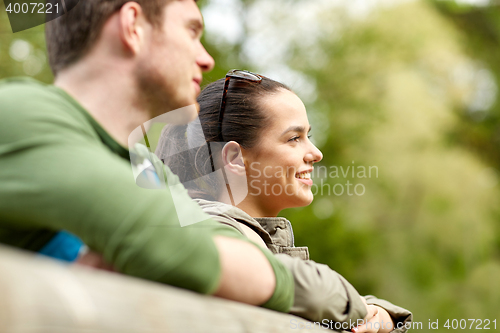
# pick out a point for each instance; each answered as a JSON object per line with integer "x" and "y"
{"x": 275, "y": 230}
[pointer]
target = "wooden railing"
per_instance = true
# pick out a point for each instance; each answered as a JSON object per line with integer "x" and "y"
{"x": 40, "y": 295}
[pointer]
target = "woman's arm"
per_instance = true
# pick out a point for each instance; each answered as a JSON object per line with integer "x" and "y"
{"x": 312, "y": 278}
{"x": 321, "y": 293}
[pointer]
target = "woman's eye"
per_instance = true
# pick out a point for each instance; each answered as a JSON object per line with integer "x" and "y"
{"x": 297, "y": 138}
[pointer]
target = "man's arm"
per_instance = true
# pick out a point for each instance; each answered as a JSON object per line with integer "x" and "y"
{"x": 246, "y": 273}
{"x": 253, "y": 274}
{"x": 242, "y": 265}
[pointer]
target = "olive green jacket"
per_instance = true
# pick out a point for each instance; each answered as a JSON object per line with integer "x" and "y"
{"x": 320, "y": 292}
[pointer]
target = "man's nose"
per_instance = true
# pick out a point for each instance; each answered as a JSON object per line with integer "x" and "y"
{"x": 205, "y": 60}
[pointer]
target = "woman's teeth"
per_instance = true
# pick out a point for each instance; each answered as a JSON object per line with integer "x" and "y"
{"x": 306, "y": 175}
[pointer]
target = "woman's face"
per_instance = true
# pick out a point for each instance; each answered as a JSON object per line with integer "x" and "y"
{"x": 279, "y": 167}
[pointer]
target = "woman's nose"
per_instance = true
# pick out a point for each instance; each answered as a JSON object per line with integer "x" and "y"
{"x": 314, "y": 155}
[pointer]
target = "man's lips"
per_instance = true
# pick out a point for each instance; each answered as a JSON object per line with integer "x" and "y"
{"x": 197, "y": 83}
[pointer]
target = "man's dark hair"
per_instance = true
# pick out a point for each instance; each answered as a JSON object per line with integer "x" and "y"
{"x": 72, "y": 35}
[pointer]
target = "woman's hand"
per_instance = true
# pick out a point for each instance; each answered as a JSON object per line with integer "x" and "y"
{"x": 377, "y": 320}
{"x": 94, "y": 260}
{"x": 370, "y": 319}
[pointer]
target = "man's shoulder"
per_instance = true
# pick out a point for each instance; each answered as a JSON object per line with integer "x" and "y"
{"x": 21, "y": 95}
{"x": 21, "y": 84}
{"x": 32, "y": 108}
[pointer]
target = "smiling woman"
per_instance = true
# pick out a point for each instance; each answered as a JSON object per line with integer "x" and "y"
{"x": 263, "y": 166}
{"x": 284, "y": 146}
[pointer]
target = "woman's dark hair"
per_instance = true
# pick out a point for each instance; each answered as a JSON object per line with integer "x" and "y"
{"x": 243, "y": 122}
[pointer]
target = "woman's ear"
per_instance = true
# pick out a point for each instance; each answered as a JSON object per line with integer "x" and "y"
{"x": 233, "y": 158}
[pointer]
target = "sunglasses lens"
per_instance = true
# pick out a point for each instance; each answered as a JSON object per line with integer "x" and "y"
{"x": 245, "y": 75}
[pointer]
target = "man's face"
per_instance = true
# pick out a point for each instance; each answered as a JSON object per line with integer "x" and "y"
{"x": 170, "y": 70}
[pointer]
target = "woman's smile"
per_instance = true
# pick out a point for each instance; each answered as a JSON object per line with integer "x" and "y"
{"x": 305, "y": 177}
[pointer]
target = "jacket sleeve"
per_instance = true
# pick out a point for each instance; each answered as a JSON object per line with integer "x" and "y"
{"x": 321, "y": 293}
{"x": 399, "y": 315}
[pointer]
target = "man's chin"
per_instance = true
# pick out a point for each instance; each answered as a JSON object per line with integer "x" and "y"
{"x": 194, "y": 111}
{"x": 181, "y": 116}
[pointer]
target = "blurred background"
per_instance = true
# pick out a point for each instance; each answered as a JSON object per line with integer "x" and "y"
{"x": 405, "y": 89}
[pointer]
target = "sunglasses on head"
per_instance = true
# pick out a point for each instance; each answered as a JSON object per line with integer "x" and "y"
{"x": 237, "y": 74}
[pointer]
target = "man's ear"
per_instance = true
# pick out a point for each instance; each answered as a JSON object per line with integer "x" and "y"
{"x": 132, "y": 26}
{"x": 233, "y": 158}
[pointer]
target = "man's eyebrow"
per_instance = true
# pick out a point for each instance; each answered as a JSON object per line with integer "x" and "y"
{"x": 298, "y": 129}
{"x": 197, "y": 23}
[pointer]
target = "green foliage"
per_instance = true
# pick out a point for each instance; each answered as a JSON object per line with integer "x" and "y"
{"x": 480, "y": 27}
{"x": 23, "y": 53}
{"x": 424, "y": 233}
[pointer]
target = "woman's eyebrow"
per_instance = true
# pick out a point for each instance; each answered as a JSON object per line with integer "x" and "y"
{"x": 299, "y": 129}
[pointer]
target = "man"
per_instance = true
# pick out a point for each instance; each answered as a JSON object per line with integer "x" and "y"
{"x": 63, "y": 165}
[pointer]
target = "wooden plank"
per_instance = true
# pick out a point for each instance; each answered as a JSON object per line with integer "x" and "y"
{"x": 40, "y": 295}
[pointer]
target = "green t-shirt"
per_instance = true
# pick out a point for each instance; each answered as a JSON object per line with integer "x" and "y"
{"x": 60, "y": 170}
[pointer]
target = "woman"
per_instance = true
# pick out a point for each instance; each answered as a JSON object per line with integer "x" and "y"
{"x": 257, "y": 162}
